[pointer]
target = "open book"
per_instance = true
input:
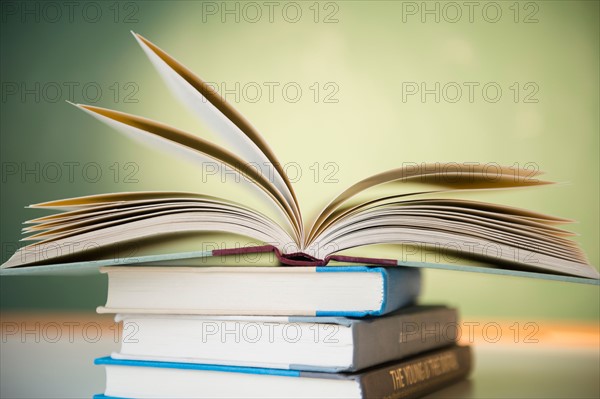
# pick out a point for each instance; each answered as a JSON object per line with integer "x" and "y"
{"x": 375, "y": 210}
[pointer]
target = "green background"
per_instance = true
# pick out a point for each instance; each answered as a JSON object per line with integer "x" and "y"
{"x": 364, "y": 53}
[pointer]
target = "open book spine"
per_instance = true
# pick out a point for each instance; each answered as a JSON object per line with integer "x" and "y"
{"x": 303, "y": 259}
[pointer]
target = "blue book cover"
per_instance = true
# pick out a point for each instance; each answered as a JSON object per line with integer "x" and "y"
{"x": 400, "y": 288}
{"x": 132, "y": 378}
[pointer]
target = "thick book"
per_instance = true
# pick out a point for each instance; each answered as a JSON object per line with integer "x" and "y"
{"x": 328, "y": 344}
{"x": 378, "y": 209}
{"x": 300, "y": 291}
{"x": 411, "y": 378}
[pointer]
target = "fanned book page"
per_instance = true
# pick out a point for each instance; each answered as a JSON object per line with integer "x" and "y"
{"x": 376, "y": 210}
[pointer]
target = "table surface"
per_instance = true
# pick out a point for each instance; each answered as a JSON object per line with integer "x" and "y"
{"x": 36, "y": 363}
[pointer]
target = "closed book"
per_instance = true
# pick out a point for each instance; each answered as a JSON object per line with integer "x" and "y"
{"x": 297, "y": 291}
{"x": 411, "y": 378}
{"x": 329, "y": 344}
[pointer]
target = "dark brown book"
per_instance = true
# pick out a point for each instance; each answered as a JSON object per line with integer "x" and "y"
{"x": 417, "y": 376}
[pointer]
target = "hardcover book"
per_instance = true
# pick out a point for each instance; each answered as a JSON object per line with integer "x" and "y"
{"x": 307, "y": 291}
{"x": 375, "y": 210}
{"x": 411, "y": 378}
{"x": 327, "y": 344}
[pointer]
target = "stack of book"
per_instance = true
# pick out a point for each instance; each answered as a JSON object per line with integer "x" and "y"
{"x": 306, "y": 329}
{"x": 348, "y": 332}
